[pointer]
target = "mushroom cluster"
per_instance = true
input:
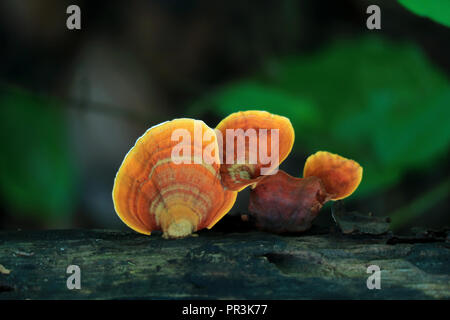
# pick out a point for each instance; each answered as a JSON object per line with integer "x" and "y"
{"x": 157, "y": 189}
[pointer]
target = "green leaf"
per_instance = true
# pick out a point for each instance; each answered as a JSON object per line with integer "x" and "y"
{"x": 255, "y": 95}
{"x": 37, "y": 177}
{"x": 379, "y": 103}
{"x": 386, "y": 106}
{"x": 437, "y": 10}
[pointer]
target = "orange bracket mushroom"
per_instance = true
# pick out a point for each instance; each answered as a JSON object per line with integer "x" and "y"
{"x": 282, "y": 203}
{"x": 153, "y": 190}
{"x": 339, "y": 175}
{"x": 237, "y": 131}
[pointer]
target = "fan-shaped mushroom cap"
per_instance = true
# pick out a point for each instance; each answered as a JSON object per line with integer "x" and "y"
{"x": 236, "y": 176}
{"x": 170, "y": 180}
{"x": 339, "y": 175}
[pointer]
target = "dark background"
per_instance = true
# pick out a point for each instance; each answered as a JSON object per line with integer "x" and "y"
{"x": 73, "y": 102}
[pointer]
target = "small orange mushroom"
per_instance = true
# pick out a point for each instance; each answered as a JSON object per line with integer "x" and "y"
{"x": 260, "y": 135}
{"x": 340, "y": 176}
{"x": 282, "y": 203}
{"x": 156, "y": 188}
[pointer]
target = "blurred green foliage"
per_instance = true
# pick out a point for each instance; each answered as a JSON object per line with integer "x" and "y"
{"x": 421, "y": 204}
{"x": 437, "y": 10}
{"x": 37, "y": 177}
{"x": 381, "y": 104}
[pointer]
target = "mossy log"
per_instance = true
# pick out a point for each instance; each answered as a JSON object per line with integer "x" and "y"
{"x": 253, "y": 265}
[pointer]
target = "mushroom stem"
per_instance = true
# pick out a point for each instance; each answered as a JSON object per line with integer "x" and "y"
{"x": 178, "y": 221}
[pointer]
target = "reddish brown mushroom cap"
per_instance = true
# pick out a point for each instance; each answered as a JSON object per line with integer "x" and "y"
{"x": 152, "y": 192}
{"x": 236, "y": 176}
{"x": 282, "y": 203}
{"x": 339, "y": 175}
